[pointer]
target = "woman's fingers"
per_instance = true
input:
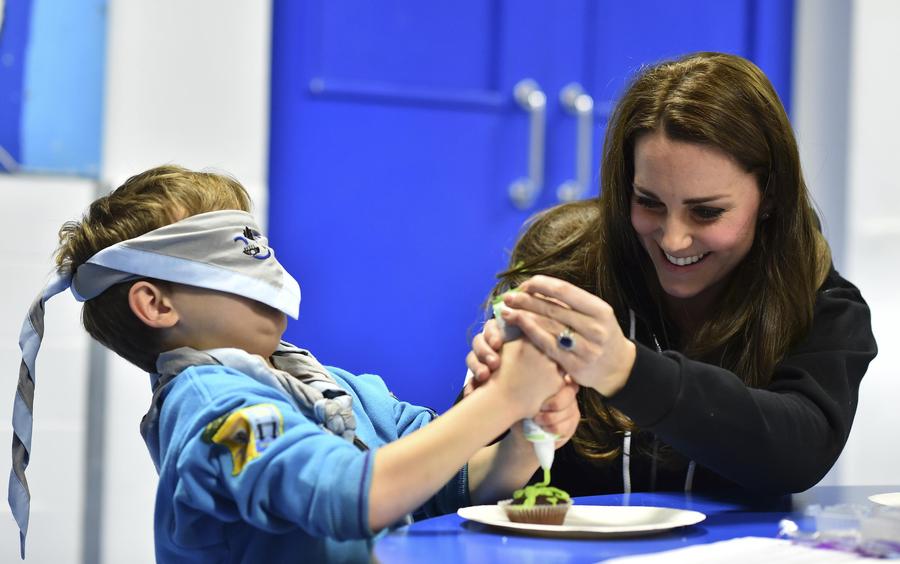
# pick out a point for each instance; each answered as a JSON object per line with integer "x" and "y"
{"x": 592, "y": 322}
{"x": 543, "y": 332}
{"x": 600, "y": 358}
{"x": 565, "y": 316}
{"x": 560, "y": 414}
{"x": 559, "y": 408}
{"x": 562, "y": 399}
{"x": 572, "y": 296}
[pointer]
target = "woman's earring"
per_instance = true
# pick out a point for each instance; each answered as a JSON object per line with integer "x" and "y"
{"x": 764, "y": 216}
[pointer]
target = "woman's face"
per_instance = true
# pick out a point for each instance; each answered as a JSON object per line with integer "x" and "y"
{"x": 695, "y": 211}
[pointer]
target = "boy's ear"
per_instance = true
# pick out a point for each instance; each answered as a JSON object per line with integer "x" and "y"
{"x": 151, "y": 304}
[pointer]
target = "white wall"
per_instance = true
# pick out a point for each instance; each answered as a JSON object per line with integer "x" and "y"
{"x": 820, "y": 109}
{"x": 187, "y": 83}
{"x": 847, "y": 119}
{"x": 873, "y": 229}
{"x": 33, "y": 209}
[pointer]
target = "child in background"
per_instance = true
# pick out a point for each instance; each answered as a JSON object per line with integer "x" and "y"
{"x": 263, "y": 454}
{"x": 551, "y": 243}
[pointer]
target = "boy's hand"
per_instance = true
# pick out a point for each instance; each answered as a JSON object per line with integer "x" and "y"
{"x": 527, "y": 377}
{"x": 484, "y": 358}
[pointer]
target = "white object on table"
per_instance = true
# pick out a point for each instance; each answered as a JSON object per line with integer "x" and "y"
{"x": 745, "y": 550}
{"x": 585, "y": 521}
{"x": 889, "y": 499}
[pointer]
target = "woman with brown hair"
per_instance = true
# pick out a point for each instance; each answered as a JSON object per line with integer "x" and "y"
{"x": 717, "y": 348}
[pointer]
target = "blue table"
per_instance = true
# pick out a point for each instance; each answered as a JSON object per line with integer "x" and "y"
{"x": 451, "y": 539}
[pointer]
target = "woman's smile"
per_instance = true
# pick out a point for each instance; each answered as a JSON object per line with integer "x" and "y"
{"x": 684, "y": 261}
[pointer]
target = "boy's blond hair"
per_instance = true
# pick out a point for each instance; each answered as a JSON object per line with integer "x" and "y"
{"x": 147, "y": 201}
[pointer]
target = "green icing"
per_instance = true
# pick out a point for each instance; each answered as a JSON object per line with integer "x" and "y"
{"x": 497, "y": 303}
{"x": 499, "y": 298}
{"x": 531, "y": 493}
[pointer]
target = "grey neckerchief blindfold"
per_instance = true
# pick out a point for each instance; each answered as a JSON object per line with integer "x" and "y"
{"x": 297, "y": 374}
{"x": 220, "y": 250}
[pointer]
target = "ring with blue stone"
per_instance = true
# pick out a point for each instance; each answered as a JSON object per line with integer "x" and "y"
{"x": 566, "y": 340}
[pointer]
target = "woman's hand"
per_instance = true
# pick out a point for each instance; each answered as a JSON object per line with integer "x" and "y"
{"x": 560, "y": 414}
{"x": 600, "y": 356}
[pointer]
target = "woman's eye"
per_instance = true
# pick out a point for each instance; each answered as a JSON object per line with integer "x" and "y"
{"x": 647, "y": 203}
{"x": 707, "y": 213}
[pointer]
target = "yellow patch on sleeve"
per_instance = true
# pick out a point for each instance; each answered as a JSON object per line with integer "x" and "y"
{"x": 246, "y": 433}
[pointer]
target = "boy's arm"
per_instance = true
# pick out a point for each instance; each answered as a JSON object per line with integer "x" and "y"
{"x": 496, "y": 470}
{"x": 408, "y": 471}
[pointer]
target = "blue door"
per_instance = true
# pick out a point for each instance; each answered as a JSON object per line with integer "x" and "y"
{"x": 411, "y": 139}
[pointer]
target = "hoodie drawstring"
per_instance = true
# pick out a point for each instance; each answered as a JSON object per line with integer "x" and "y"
{"x": 626, "y": 441}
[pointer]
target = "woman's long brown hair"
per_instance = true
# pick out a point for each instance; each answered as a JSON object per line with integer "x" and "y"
{"x": 723, "y": 101}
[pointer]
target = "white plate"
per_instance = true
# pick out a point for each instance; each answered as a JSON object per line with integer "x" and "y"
{"x": 891, "y": 499}
{"x": 592, "y": 520}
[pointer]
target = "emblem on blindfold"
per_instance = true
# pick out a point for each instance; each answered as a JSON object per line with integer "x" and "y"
{"x": 253, "y": 244}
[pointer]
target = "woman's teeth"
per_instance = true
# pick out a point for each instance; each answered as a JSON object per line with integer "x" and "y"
{"x": 684, "y": 261}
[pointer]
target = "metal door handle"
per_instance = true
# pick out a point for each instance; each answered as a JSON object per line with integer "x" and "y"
{"x": 524, "y": 191}
{"x": 581, "y": 105}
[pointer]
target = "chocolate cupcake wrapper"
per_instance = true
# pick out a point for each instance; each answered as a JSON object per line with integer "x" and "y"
{"x": 536, "y": 514}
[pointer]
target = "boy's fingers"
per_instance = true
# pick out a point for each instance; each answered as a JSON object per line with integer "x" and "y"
{"x": 492, "y": 335}
{"x": 484, "y": 353}
{"x": 480, "y": 372}
{"x": 532, "y": 363}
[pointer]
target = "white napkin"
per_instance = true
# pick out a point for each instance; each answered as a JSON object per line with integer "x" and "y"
{"x": 746, "y": 550}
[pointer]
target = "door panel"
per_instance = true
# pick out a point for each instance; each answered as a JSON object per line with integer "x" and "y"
{"x": 396, "y": 136}
{"x": 409, "y": 43}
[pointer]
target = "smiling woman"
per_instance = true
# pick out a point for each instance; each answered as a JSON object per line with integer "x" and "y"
{"x": 695, "y": 211}
{"x": 717, "y": 347}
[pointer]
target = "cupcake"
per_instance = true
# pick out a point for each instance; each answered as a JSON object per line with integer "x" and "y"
{"x": 537, "y": 504}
